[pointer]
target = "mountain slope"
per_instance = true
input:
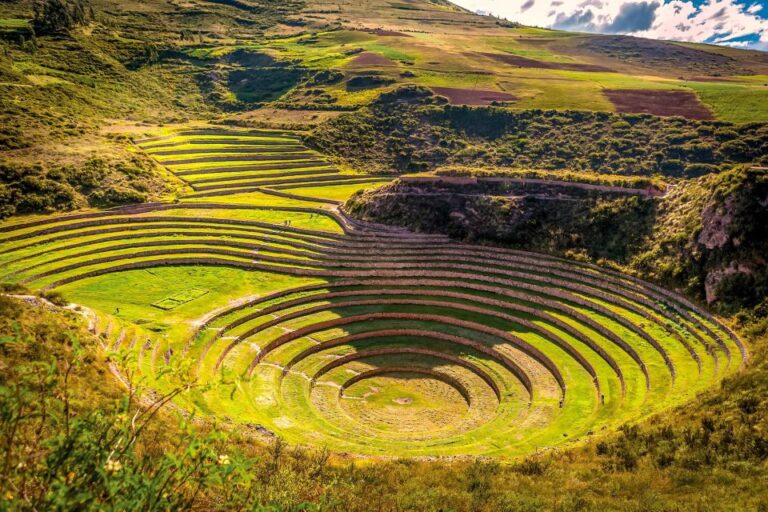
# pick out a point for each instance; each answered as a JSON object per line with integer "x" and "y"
{"x": 474, "y": 59}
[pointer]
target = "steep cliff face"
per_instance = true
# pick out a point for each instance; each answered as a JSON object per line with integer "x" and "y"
{"x": 717, "y": 232}
{"x": 708, "y": 236}
{"x": 711, "y": 237}
{"x": 556, "y": 220}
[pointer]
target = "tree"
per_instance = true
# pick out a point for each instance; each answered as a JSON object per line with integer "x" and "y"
{"x": 57, "y": 16}
{"x": 151, "y": 55}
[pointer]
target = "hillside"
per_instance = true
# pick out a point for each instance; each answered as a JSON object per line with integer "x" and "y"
{"x": 411, "y": 129}
{"x": 376, "y": 45}
{"x": 72, "y": 96}
{"x": 125, "y": 65}
{"x": 376, "y": 254}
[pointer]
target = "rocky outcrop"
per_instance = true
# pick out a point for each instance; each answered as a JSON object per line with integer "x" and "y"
{"x": 716, "y": 277}
{"x": 716, "y": 223}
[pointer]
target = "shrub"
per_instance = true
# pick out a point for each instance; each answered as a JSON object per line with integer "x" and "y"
{"x": 325, "y": 77}
{"x": 42, "y": 188}
{"x": 113, "y": 196}
{"x": 532, "y": 467}
{"x": 55, "y": 297}
{"x": 368, "y": 82}
{"x": 698, "y": 170}
{"x": 55, "y": 16}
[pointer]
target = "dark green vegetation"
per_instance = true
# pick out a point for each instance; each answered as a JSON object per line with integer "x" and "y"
{"x": 46, "y": 188}
{"x": 535, "y": 218}
{"x": 412, "y": 130}
{"x": 73, "y": 440}
{"x": 59, "y": 16}
{"x": 707, "y": 236}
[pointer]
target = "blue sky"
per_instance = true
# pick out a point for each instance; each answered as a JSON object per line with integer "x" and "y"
{"x": 738, "y": 23}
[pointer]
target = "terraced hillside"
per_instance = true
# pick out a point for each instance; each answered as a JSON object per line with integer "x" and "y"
{"x": 366, "y": 339}
{"x": 225, "y": 162}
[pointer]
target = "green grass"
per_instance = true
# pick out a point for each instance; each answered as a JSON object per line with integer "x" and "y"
{"x": 277, "y": 416}
{"x": 129, "y": 295}
{"x": 13, "y": 23}
{"x": 390, "y": 53}
{"x": 305, "y": 416}
{"x": 333, "y": 192}
{"x": 251, "y": 198}
{"x": 735, "y": 103}
{"x": 180, "y": 298}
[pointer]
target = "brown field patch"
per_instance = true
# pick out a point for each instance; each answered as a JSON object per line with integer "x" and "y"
{"x": 385, "y": 33}
{"x": 472, "y": 96}
{"x": 659, "y": 103}
{"x": 368, "y": 59}
{"x": 525, "y": 62}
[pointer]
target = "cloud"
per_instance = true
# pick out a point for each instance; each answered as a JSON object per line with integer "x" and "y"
{"x": 740, "y": 23}
{"x": 633, "y": 17}
{"x": 581, "y": 20}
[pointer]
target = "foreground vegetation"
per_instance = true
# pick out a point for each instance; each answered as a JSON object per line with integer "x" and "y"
{"x": 97, "y": 182}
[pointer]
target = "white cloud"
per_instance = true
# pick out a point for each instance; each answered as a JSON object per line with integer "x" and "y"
{"x": 727, "y": 22}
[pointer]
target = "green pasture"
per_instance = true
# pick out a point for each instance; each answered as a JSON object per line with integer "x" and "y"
{"x": 735, "y": 102}
{"x": 334, "y": 192}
